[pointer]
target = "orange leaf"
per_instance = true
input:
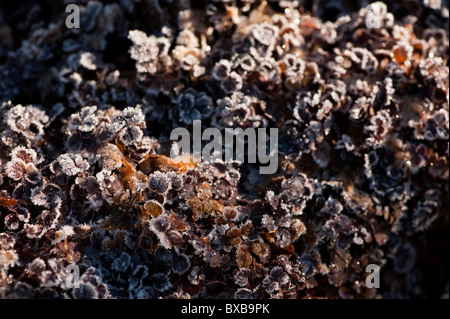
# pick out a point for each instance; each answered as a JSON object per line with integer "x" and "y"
{"x": 7, "y": 201}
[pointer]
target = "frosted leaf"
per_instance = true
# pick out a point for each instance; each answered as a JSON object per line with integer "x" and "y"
{"x": 89, "y": 189}
{"x": 12, "y": 222}
{"x": 38, "y": 197}
{"x": 246, "y": 62}
{"x": 37, "y": 266}
{"x": 294, "y": 67}
{"x": 279, "y": 275}
{"x": 8, "y": 258}
{"x": 85, "y": 121}
{"x": 140, "y": 182}
{"x": 283, "y": 237}
{"x": 50, "y": 196}
{"x": 241, "y": 277}
{"x": 221, "y": 70}
{"x": 72, "y": 164}
{"x": 63, "y": 233}
{"x": 7, "y": 241}
{"x": 188, "y": 62}
{"x": 27, "y": 155}
{"x": 48, "y": 219}
{"x": 110, "y": 157}
{"x": 130, "y": 135}
{"x": 22, "y": 213}
{"x": 34, "y": 177}
{"x": 34, "y": 231}
{"x": 148, "y": 51}
{"x": 380, "y": 124}
{"x": 364, "y": 59}
{"x": 160, "y": 224}
{"x": 269, "y": 223}
{"x": 231, "y": 83}
{"x": 17, "y": 170}
{"x": 191, "y": 105}
{"x": 243, "y": 257}
{"x": 171, "y": 239}
{"x": 212, "y": 257}
{"x": 133, "y": 115}
{"x": 28, "y": 120}
{"x": 297, "y": 189}
{"x": 259, "y": 248}
{"x": 159, "y": 182}
{"x": 176, "y": 181}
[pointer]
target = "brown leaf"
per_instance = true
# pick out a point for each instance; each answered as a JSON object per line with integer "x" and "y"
{"x": 7, "y": 201}
{"x": 163, "y": 163}
{"x": 243, "y": 257}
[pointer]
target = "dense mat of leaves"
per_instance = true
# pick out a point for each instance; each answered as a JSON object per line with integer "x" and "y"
{"x": 85, "y": 177}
